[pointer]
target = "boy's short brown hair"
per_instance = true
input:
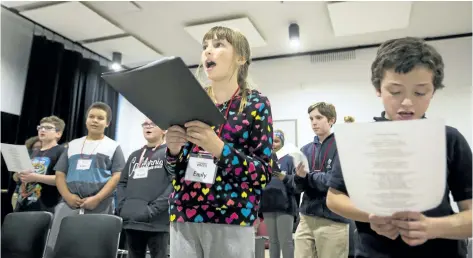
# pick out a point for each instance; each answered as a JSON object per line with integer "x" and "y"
{"x": 405, "y": 54}
{"x": 101, "y": 106}
{"x": 326, "y": 109}
{"x": 56, "y": 121}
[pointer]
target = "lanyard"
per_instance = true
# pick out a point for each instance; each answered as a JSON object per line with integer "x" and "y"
{"x": 325, "y": 156}
{"x": 226, "y": 116}
{"x": 82, "y": 156}
{"x": 226, "y": 112}
{"x": 149, "y": 156}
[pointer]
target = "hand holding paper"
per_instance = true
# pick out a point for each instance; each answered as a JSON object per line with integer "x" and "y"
{"x": 383, "y": 226}
{"x": 301, "y": 170}
{"x": 28, "y": 176}
{"x": 300, "y": 163}
{"x": 414, "y": 227}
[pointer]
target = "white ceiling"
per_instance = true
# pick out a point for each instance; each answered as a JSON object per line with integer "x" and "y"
{"x": 132, "y": 50}
{"x": 73, "y": 20}
{"x": 243, "y": 25}
{"x": 354, "y": 18}
{"x": 161, "y": 26}
{"x": 16, "y": 3}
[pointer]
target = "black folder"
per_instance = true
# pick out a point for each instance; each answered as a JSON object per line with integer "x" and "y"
{"x": 166, "y": 92}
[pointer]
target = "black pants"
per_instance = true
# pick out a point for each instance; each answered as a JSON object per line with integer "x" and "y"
{"x": 157, "y": 242}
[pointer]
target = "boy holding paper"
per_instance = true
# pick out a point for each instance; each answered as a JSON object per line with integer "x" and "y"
{"x": 320, "y": 233}
{"x": 406, "y": 73}
{"x": 38, "y": 191}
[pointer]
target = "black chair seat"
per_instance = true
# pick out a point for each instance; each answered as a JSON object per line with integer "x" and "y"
{"x": 88, "y": 236}
{"x": 24, "y": 234}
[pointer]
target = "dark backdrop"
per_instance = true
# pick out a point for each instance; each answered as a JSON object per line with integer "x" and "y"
{"x": 8, "y": 135}
{"x": 59, "y": 82}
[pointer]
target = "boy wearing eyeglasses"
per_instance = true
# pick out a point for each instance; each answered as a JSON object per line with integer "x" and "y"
{"x": 143, "y": 194}
{"x": 38, "y": 191}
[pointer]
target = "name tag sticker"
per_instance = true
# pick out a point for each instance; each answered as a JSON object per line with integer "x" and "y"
{"x": 83, "y": 164}
{"x": 140, "y": 173}
{"x": 201, "y": 169}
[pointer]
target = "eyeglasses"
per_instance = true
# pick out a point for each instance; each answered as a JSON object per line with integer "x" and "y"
{"x": 146, "y": 125}
{"x": 46, "y": 128}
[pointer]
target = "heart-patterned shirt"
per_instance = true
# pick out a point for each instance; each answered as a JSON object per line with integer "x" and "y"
{"x": 243, "y": 170}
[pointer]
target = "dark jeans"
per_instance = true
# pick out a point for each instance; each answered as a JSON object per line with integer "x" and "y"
{"x": 157, "y": 242}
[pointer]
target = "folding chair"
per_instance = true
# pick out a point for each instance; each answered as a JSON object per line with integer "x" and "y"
{"x": 470, "y": 248}
{"x": 24, "y": 234}
{"x": 88, "y": 236}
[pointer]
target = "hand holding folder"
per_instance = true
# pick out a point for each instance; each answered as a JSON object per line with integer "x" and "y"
{"x": 175, "y": 138}
{"x": 167, "y": 93}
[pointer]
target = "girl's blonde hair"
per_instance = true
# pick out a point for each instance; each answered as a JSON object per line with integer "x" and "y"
{"x": 242, "y": 50}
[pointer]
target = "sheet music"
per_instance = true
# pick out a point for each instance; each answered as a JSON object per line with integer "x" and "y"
{"x": 298, "y": 157}
{"x": 393, "y": 166}
{"x": 16, "y": 157}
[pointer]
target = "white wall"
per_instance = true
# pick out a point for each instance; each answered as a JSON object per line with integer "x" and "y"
{"x": 129, "y": 132}
{"x": 16, "y": 40}
{"x": 292, "y": 84}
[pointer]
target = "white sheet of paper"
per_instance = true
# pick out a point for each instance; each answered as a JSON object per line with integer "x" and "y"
{"x": 298, "y": 157}
{"x": 286, "y": 149}
{"x": 16, "y": 157}
{"x": 393, "y": 166}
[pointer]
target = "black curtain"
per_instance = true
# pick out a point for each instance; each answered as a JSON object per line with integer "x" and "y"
{"x": 59, "y": 82}
{"x": 62, "y": 82}
{"x": 8, "y": 134}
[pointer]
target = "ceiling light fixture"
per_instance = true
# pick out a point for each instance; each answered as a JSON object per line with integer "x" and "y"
{"x": 294, "y": 35}
{"x": 116, "y": 61}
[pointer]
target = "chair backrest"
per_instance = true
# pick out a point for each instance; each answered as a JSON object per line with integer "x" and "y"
{"x": 24, "y": 234}
{"x": 88, "y": 235}
{"x": 470, "y": 248}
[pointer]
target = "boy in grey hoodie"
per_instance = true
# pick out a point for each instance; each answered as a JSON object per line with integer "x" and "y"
{"x": 143, "y": 193}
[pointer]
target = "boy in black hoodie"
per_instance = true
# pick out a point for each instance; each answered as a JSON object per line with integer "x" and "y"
{"x": 406, "y": 73}
{"x": 143, "y": 193}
